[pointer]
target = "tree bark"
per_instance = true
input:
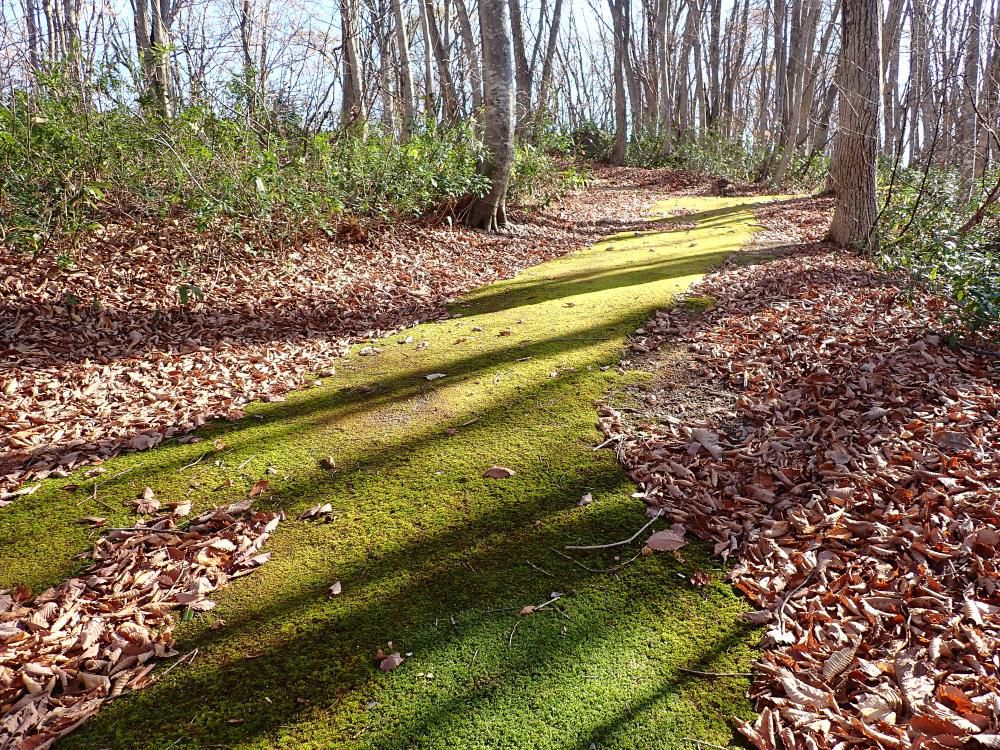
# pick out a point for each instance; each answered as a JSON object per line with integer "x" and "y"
{"x": 449, "y": 98}
{"x": 618, "y": 151}
{"x": 853, "y": 170}
{"x": 471, "y": 56}
{"x": 522, "y": 71}
{"x": 351, "y": 104}
{"x": 406, "y": 93}
{"x": 490, "y": 211}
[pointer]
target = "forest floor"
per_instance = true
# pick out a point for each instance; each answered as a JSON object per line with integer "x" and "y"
{"x": 421, "y": 588}
{"x": 430, "y": 557}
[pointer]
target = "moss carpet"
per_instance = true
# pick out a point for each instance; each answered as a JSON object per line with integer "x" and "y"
{"x": 432, "y": 556}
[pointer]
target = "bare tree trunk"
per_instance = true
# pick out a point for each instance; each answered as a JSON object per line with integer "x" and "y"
{"x": 471, "y": 56}
{"x": 352, "y": 104}
{"x": 490, "y": 211}
{"x": 892, "y": 31}
{"x": 550, "y": 52}
{"x": 406, "y": 93}
{"x": 620, "y": 147}
{"x": 714, "y": 63}
{"x": 449, "y": 98}
{"x": 989, "y": 107}
{"x": 970, "y": 89}
{"x": 388, "y": 95}
{"x": 34, "y": 47}
{"x": 522, "y": 71}
{"x": 429, "y": 103}
{"x": 153, "y": 42}
{"x": 853, "y": 170}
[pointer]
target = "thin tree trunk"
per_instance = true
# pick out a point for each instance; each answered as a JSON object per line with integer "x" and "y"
{"x": 550, "y": 52}
{"x": 449, "y": 98}
{"x": 471, "y": 55}
{"x": 522, "y": 71}
{"x": 490, "y": 211}
{"x": 351, "y": 103}
{"x": 618, "y": 151}
{"x": 406, "y": 93}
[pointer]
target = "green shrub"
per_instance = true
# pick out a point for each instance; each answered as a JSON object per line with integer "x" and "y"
{"x": 919, "y": 232}
{"x": 537, "y": 178}
{"x": 591, "y": 142}
{"x": 66, "y": 168}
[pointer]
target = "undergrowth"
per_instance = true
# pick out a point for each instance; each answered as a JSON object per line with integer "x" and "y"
{"x": 922, "y": 233}
{"x": 68, "y": 169}
{"x": 712, "y": 153}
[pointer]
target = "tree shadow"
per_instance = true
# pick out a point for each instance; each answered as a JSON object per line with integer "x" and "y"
{"x": 297, "y": 645}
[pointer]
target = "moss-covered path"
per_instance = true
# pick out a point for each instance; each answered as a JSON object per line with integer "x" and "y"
{"x": 432, "y": 556}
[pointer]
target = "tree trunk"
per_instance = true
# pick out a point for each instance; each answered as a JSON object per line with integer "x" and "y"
{"x": 153, "y": 42}
{"x": 471, "y": 56}
{"x": 406, "y": 93}
{"x": 967, "y": 135}
{"x": 449, "y": 99}
{"x": 351, "y": 104}
{"x": 620, "y": 147}
{"x": 857, "y": 140}
{"x": 522, "y": 70}
{"x": 550, "y": 53}
{"x": 490, "y": 211}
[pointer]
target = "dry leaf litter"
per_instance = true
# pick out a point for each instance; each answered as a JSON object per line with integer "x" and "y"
{"x": 67, "y": 651}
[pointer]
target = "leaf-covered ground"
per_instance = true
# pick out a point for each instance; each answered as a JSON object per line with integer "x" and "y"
{"x": 148, "y": 329}
{"x": 852, "y": 471}
{"x": 434, "y": 560}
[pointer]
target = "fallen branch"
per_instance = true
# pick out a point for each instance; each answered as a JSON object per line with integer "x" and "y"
{"x": 617, "y": 544}
{"x": 714, "y": 674}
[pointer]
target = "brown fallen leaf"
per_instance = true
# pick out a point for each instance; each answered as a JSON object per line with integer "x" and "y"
{"x": 668, "y": 540}
{"x": 498, "y": 472}
{"x": 180, "y": 509}
{"x": 94, "y": 521}
{"x": 259, "y": 487}
{"x": 146, "y": 503}
{"x": 709, "y": 440}
{"x": 316, "y": 511}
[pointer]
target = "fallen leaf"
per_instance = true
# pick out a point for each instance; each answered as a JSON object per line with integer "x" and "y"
{"x": 146, "y": 503}
{"x": 498, "y": 472}
{"x": 668, "y": 540}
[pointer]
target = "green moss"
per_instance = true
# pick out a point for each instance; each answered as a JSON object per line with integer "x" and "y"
{"x": 427, "y": 549}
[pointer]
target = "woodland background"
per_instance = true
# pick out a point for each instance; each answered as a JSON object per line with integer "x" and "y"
{"x": 252, "y": 117}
